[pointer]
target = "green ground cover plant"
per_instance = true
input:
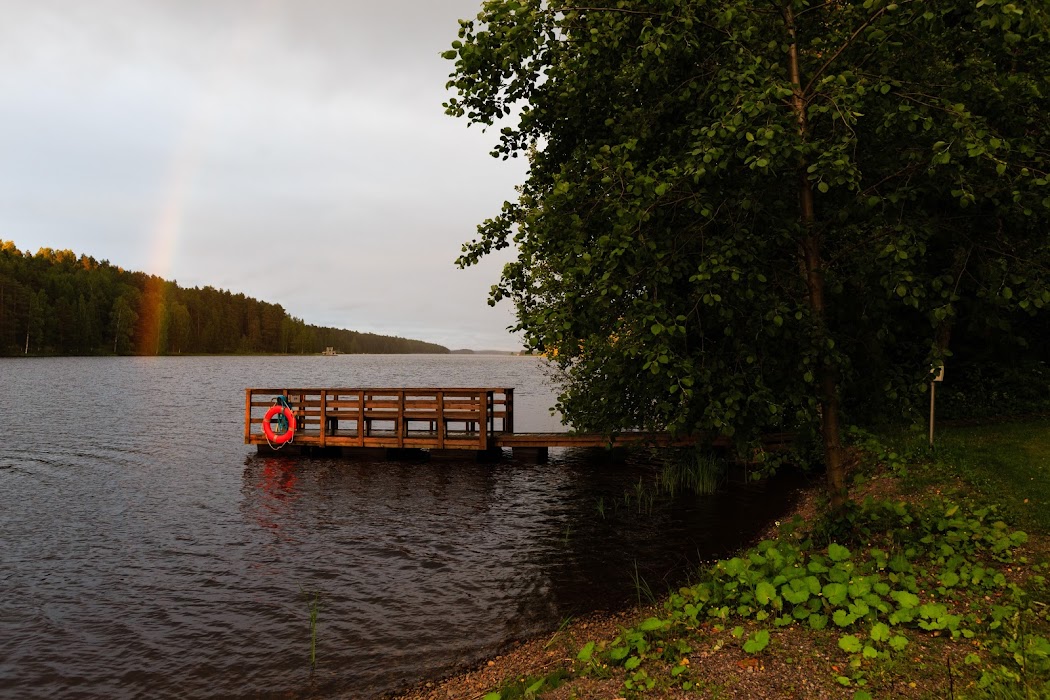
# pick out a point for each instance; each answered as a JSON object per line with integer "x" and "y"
{"x": 1006, "y": 463}
{"x": 903, "y": 571}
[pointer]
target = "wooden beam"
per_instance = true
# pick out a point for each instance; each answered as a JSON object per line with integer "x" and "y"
{"x": 247, "y": 416}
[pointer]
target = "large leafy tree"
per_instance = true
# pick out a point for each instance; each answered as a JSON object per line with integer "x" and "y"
{"x": 740, "y": 213}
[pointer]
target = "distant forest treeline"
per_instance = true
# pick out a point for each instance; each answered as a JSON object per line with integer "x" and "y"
{"x": 61, "y": 303}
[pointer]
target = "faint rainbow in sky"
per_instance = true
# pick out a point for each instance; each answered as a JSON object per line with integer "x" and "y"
{"x": 185, "y": 165}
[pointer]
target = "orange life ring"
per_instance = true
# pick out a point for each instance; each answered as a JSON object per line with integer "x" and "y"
{"x": 268, "y": 430}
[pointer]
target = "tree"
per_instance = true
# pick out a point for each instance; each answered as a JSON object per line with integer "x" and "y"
{"x": 38, "y": 314}
{"x": 123, "y": 320}
{"x": 180, "y": 327}
{"x": 739, "y": 214}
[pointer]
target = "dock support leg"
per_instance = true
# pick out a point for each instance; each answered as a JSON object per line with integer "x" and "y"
{"x": 493, "y": 454}
{"x": 538, "y": 455}
{"x": 407, "y": 454}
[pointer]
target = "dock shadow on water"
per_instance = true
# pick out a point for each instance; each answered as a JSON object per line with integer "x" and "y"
{"x": 426, "y": 567}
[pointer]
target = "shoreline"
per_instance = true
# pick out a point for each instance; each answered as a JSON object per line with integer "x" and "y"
{"x": 928, "y": 588}
{"x": 536, "y": 656}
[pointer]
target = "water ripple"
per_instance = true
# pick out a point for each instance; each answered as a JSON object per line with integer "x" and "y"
{"x": 146, "y": 552}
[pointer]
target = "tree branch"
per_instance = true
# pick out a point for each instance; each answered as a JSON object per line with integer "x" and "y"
{"x": 604, "y": 9}
{"x": 842, "y": 48}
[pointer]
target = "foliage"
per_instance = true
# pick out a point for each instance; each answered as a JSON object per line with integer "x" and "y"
{"x": 909, "y": 571}
{"x": 529, "y": 687}
{"x": 995, "y": 389}
{"x": 55, "y": 302}
{"x": 1004, "y": 463}
{"x": 736, "y": 212}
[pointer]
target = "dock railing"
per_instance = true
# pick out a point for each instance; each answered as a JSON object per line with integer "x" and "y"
{"x": 457, "y": 418}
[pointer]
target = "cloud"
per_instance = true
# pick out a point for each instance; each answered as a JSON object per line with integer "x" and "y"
{"x": 294, "y": 151}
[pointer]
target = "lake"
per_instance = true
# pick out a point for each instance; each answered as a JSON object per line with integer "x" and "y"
{"x": 145, "y": 551}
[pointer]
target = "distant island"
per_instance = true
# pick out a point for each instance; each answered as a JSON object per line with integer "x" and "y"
{"x": 485, "y": 352}
{"x": 62, "y": 303}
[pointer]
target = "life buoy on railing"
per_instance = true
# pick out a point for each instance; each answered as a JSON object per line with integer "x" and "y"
{"x": 283, "y": 414}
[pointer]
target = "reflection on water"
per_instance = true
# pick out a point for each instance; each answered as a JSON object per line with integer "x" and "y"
{"x": 278, "y": 486}
{"x": 148, "y": 553}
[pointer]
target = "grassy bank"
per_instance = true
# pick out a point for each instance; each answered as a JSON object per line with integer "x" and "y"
{"x": 927, "y": 588}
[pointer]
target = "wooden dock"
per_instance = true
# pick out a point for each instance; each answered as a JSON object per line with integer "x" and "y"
{"x": 347, "y": 421}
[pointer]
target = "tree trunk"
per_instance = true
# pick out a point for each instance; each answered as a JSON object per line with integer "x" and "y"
{"x": 813, "y": 270}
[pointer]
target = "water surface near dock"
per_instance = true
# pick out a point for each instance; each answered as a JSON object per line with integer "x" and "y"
{"x": 147, "y": 552}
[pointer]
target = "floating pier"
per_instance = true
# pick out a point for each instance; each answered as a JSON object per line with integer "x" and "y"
{"x": 356, "y": 421}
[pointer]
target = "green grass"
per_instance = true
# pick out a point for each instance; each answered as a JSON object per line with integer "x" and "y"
{"x": 1007, "y": 462}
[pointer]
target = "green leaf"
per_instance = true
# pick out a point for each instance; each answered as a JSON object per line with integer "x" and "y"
{"x": 757, "y": 642}
{"x": 836, "y": 593}
{"x": 586, "y": 652}
{"x": 837, "y": 552}
{"x": 880, "y": 632}
{"x": 632, "y": 663}
{"x": 765, "y": 592}
{"x": 842, "y": 618}
{"x": 493, "y": 696}
{"x": 849, "y": 644}
{"x": 905, "y": 599}
{"x": 795, "y": 595}
{"x": 650, "y": 624}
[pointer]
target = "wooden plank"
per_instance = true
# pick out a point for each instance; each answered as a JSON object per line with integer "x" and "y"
{"x": 508, "y": 421}
{"x": 342, "y": 404}
{"x": 400, "y": 425}
{"x": 247, "y": 416}
{"x": 362, "y": 427}
{"x": 324, "y": 417}
{"x": 441, "y": 420}
{"x": 387, "y": 404}
{"x": 483, "y": 442}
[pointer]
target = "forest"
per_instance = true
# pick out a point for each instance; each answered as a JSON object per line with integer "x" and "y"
{"x": 56, "y": 302}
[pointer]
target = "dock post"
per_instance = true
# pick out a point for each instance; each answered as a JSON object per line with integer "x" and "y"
{"x": 441, "y": 419}
{"x": 485, "y": 406}
{"x": 324, "y": 416}
{"x": 247, "y": 416}
{"x": 508, "y": 420}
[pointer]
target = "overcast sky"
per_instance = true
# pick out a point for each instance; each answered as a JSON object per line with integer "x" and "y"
{"x": 292, "y": 150}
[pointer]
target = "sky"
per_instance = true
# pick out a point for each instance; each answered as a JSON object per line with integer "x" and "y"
{"x": 292, "y": 150}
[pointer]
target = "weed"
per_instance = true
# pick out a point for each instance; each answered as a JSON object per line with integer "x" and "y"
{"x": 693, "y": 471}
{"x": 314, "y": 606}
{"x": 561, "y": 628}
{"x": 642, "y": 588}
{"x": 529, "y": 687}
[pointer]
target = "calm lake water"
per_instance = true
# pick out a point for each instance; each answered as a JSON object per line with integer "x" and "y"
{"x": 145, "y": 551}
